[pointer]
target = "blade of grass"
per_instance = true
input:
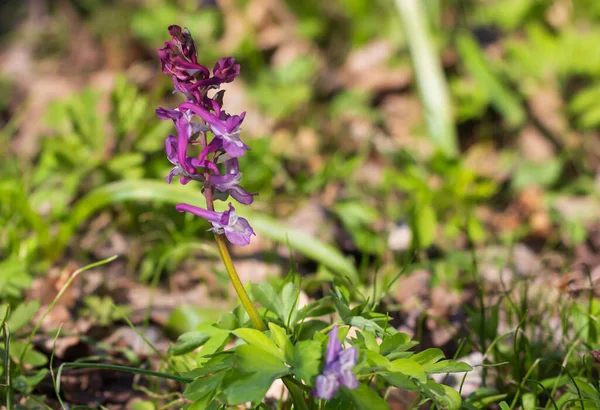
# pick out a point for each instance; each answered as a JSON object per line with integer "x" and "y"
{"x": 430, "y": 76}
{"x": 502, "y": 97}
{"x": 119, "y": 368}
{"x": 164, "y": 358}
{"x": 56, "y": 298}
{"x": 52, "y": 376}
{"x": 150, "y": 190}
{"x": 7, "y": 381}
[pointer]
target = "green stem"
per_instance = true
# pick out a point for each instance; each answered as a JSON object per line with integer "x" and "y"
{"x": 55, "y": 300}
{"x": 9, "y": 391}
{"x": 238, "y": 286}
{"x": 296, "y": 393}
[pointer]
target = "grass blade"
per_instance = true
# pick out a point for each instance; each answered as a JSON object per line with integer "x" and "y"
{"x": 502, "y": 98}
{"x": 57, "y": 297}
{"x": 430, "y": 77}
{"x": 151, "y": 190}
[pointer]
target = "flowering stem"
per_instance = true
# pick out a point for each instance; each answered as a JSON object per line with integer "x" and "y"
{"x": 237, "y": 284}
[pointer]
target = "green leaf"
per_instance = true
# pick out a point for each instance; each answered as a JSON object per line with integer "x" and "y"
{"x": 151, "y": 190}
{"x": 425, "y": 225}
{"x": 215, "y": 364}
{"x": 281, "y": 339}
{"x": 542, "y": 174}
{"x": 289, "y": 303}
{"x": 254, "y": 371}
{"x": 309, "y": 328}
{"x": 365, "y": 398}
{"x": 250, "y": 358}
{"x": 265, "y": 294}
{"x": 370, "y": 341}
{"x": 397, "y": 342}
{"x": 36, "y": 378}
{"x": 504, "y": 99}
{"x": 306, "y": 360}
{"x": 31, "y": 357}
{"x": 377, "y": 360}
{"x": 428, "y": 356}
{"x": 188, "y": 342}
{"x": 447, "y": 366}
{"x": 443, "y": 396}
{"x": 202, "y": 387}
{"x": 257, "y": 338}
{"x": 187, "y": 318}
{"x": 22, "y": 315}
{"x": 241, "y": 388}
{"x": 364, "y": 324}
{"x": 143, "y": 405}
{"x": 408, "y": 368}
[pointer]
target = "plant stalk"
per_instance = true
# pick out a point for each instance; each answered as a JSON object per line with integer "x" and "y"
{"x": 238, "y": 286}
{"x": 429, "y": 76}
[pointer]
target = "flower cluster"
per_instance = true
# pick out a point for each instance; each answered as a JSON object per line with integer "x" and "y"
{"x": 338, "y": 369}
{"x": 216, "y": 165}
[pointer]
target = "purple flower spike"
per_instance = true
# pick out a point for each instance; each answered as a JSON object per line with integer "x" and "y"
{"x": 179, "y": 58}
{"x": 337, "y": 370}
{"x": 237, "y": 229}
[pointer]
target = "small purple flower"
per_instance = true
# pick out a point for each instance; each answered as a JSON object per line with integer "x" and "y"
{"x": 184, "y": 42}
{"x": 179, "y": 58}
{"x": 338, "y": 369}
{"x": 230, "y": 184}
{"x": 225, "y": 127}
{"x": 226, "y": 69}
{"x": 236, "y": 229}
{"x": 171, "y": 150}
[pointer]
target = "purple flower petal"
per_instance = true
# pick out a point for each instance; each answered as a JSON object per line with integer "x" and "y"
{"x": 202, "y": 213}
{"x": 326, "y": 386}
{"x": 347, "y": 361}
{"x": 234, "y": 148}
{"x": 215, "y": 145}
{"x": 230, "y": 183}
{"x": 183, "y": 138}
{"x": 232, "y": 166}
{"x": 334, "y": 347}
{"x": 240, "y": 232}
{"x": 165, "y": 114}
{"x": 225, "y": 127}
{"x": 237, "y": 230}
{"x": 226, "y": 69}
{"x": 338, "y": 368}
{"x": 241, "y": 195}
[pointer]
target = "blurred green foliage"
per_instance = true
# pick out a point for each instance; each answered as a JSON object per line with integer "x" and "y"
{"x": 511, "y": 66}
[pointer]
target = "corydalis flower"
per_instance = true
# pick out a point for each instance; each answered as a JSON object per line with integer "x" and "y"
{"x": 235, "y": 228}
{"x": 195, "y": 120}
{"x": 230, "y": 184}
{"x": 178, "y": 57}
{"x": 225, "y": 127}
{"x": 338, "y": 369}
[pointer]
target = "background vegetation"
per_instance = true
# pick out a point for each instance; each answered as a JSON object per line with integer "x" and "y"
{"x": 472, "y": 218}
